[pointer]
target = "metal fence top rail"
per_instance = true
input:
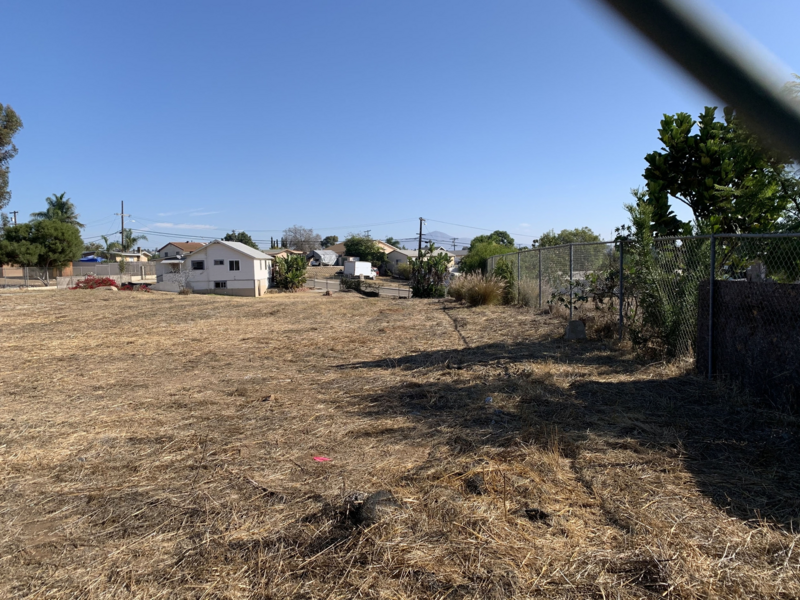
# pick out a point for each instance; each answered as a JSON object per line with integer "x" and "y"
{"x": 655, "y": 239}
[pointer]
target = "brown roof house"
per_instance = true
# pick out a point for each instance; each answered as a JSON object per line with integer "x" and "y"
{"x": 174, "y": 249}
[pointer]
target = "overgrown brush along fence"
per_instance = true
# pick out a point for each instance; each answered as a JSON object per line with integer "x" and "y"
{"x": 649, "y": 291}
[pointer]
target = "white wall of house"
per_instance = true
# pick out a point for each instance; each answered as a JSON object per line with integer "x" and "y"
{"x": 220, "y": 269}
{"x": 170, "y": 251}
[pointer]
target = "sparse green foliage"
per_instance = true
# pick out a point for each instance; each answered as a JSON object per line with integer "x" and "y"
{"x": 365, "y": 248}
{"x": 429, "y": 274}
{"x": 290, "y": 272}
{"x": 240, "y": 236}
{"x": 393, "y": 242}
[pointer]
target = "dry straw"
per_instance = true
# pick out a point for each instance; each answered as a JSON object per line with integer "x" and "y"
{"x": 160, "y": 446}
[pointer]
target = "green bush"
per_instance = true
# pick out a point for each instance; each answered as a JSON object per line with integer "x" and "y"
{"x": 290, "y": 272}
{"x": 403, "y": 270}
{"x": 429, "y": 274}
{"x": 506, "y": 271}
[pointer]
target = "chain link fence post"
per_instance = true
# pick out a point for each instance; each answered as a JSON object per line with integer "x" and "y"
{"x": 570, "y": 282}
{"x": 540, "y": 278}
{"x": 711, "y": 305}
{"x": 621, "y": 289}
{"x": 519, "y": 274}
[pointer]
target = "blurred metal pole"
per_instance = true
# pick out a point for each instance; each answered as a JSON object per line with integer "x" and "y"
{"x": 709, "y": 57}
{"x": 711, "y": 305}
{"x": 570, "y": 282}
{"x": 621, "y": 290}
{"x": 519, "y": 273}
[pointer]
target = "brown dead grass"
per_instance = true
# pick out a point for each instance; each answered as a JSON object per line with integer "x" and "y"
{"x": 160, "y": 446}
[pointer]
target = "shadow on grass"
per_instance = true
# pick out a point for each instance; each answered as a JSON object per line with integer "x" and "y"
{"x": 741, "y": 454}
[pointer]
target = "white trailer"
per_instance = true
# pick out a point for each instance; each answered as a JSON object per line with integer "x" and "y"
{"x": 358, "y": 268}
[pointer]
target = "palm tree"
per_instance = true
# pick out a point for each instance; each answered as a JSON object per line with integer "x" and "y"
{"x": 110, "y": 248}
{"x": 59, "y": 208}
{"x": 130, "y": 240}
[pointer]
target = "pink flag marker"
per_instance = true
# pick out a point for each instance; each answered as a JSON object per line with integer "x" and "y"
{"x": 321, "y": 458}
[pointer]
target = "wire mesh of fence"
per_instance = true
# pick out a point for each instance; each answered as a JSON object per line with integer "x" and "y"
{"x": 702, "y": 296}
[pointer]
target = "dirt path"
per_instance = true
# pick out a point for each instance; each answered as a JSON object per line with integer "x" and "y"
{"x": 156, "y": 445}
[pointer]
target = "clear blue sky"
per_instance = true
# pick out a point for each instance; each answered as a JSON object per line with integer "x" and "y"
{"x": 343, "y": 116}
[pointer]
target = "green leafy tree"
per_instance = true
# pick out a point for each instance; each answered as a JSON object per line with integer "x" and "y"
{"x": 505, "y": 270}
{"x": 720, "y": 170}
{"x": 242, "y": 237}
{"x": 568, "y": 236}
{"x": 329, "y": 241}
{"x": 290, "y": 272}
{"x": 482, "y": 247}
{"x": 365, "y": 248}
{"x": 393, "y": 242}
{"x": 59, "y": 208}
{"x": 429, "y": 273}
{"x": 10, "y": 124}
{"x": 502, "y": 238}
{"x": 94, "y": 247}
{"x": 45, "y": 244}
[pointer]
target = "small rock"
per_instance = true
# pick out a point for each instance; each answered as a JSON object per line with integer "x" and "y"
{"x": 576, "y": 330}
{"x": 475, "y": 484}
{"x": 268, "y": 398}
{"x": 536, "y": 514}
{"x": 369, "y": 509}
{"x": 488, "y": 400}
{"x": 110, "y": 288}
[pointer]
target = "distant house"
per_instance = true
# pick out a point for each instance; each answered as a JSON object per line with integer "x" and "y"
{"x": 458, "y": 255}
{"x": 339, "y": 248}
{"x": 179, "y": 249}
{"x": 400, "y": 257}
{"x": 283, "y": 252}
{"x": 138, "y": 256}
{"x": 229, "y": 268}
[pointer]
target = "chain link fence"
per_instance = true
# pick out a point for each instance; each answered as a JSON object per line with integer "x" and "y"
{"x": 714, "y": 298}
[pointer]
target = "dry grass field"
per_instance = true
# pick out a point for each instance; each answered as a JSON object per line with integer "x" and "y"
{"x": 162, "y": 446}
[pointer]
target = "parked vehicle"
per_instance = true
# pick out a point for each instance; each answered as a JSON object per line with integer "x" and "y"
{"x": 359, "y": 268}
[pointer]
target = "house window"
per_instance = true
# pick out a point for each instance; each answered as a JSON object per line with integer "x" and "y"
{"x": 233, "y": 265}
{"x": 218, "y": 262}
{"x": 198, "y": 265}
{"x": 220, "y": 284}
{"x": 166, "y": 254}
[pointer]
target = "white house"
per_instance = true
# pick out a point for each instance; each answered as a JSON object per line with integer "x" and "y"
{"x": 400, "y": 257}
{"x": 229, "y": 268}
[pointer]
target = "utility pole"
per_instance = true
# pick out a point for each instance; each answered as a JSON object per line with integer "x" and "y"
{"x": 122, "y": 216}
{"x": 454, "y": 244}
{"x": 14, "y": 212}
{"x": 367, "y": 232}
{"x": 419, "y": 244}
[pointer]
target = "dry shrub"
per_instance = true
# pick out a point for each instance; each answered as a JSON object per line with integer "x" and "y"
{"x": 185, "y": 291}
{"x": 477, "y": 289}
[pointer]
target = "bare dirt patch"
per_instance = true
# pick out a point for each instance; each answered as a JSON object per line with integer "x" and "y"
{"x": 163, "y": 446}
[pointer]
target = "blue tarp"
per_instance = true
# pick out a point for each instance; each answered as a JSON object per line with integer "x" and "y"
{"x": 91, "y": 259}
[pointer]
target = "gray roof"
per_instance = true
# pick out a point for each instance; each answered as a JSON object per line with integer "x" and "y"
{"x": 244, "y": 249}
